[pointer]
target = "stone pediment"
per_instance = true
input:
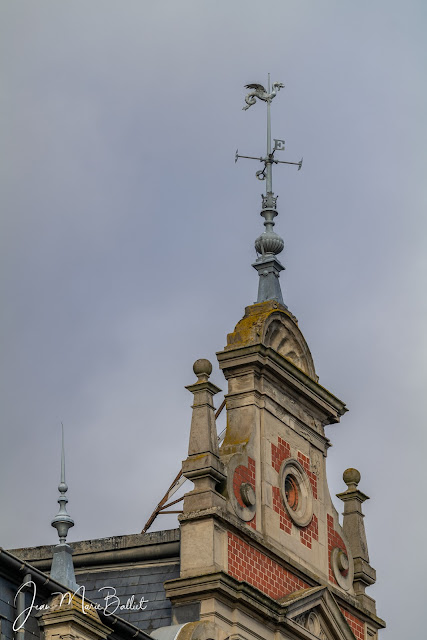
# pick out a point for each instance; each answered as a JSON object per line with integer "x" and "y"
{"x": 316, "y": 611}
{"x": 272, "y": 325}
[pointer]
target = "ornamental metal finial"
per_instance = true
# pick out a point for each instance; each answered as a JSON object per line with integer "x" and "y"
{"x": 62, "y": 521}
{"x": 62, "y": 569}
{"x": 269, "y": 244}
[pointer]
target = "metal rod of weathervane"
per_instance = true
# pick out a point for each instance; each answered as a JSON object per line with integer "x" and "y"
{"x": 269, "y": 172}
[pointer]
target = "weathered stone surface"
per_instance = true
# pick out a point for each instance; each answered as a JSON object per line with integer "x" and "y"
{"x": 70, "y": 617}
{"x": 271, "y": 324}
{"x": 203, "y": 465}
{"x": 354, "y": 527}
{"x": 277, "y": 533}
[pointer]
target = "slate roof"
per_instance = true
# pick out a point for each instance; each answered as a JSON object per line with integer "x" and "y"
{"x": 134, "y": 565}
{"x": 141, "y": 582}
{"x": 8, "y": 589}
{"x": 13, "y": 572}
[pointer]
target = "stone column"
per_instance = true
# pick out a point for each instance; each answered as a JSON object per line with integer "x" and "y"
{"x": 354, "y": 529}
{"x": 203, "y": 465}
{"x": 203, "y": 542}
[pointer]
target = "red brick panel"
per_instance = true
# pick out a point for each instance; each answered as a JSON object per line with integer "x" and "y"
{"x": 279, "y": 453}
{"x": 310, "y": 532}
{"x": 284, "y": 520}
{"x": 355, "y": 624}
{"x": 334, "y": 540}
{"x": 247, "y": 564}
{"x": 305, "y": 463}
{"x": 244, "y": 474}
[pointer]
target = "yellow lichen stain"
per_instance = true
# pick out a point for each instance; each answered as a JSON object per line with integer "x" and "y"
{"x": 249, "y": 330}
{"x": 237, "y": 436}
{"x": 198, "y": 456}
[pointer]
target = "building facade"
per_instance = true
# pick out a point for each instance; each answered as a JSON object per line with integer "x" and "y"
{"x": 260, "y": 553}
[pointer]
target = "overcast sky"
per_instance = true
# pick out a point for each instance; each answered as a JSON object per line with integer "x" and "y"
{"x": 127, "y": 240}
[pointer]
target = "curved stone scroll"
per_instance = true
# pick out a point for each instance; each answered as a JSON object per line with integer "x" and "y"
{"x": 281, "y": 334}
{"x": 272, "y": 325}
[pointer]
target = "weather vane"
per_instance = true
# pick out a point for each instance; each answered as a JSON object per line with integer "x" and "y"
{"x": 259, "y": 92}
{"x": 269, "y": 244}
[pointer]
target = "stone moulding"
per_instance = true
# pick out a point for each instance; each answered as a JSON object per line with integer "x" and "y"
{"x": 265, "y": 359}
{"x": 302, "y": 512}
{"x": 247, "y": 512}
{"x": 343, "y": 568}
{"x": 271, "y": 324}
{"x": 274, "y": 614}
{"x": 233, "y": 524}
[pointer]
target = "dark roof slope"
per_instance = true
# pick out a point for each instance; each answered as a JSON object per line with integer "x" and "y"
{"x": 132, "y": 586}
{"x": 13, "y": 571}
{"x": 135, "y": 566}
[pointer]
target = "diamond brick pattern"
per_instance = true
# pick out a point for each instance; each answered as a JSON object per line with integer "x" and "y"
{"x": 285, "y": 522}
{"x": 279, "y": 453}
{"x": 305, "y": 463}
{"x": 310, "y": 532}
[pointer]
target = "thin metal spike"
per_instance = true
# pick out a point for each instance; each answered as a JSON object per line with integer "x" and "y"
{"x": 62, "y": 562}
{"x": 62, "y": 457}
{"x": 62, "y": 521}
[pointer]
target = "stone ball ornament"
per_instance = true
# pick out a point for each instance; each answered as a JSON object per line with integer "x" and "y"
{"x": 203, "y": 369}
{"x": 351, "y": 477}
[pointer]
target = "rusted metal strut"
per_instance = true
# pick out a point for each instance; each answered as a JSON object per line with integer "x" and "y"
{"x": 176, "y": 484}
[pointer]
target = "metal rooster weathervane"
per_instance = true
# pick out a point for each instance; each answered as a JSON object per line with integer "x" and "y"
{"x": 258, "y": 91}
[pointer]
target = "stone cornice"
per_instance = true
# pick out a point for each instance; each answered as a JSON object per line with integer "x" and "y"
{"x": 229, "y": 590}
{"x": 260, "y": 357}
{"x": 234, "y": 525}
{"x": 138, "y": 547}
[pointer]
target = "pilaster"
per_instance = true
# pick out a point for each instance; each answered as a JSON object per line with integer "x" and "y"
{"x": 354, "y": 529}
{"x": 203, "y": 465}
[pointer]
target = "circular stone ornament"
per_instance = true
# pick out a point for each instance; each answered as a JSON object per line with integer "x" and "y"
{"x": 246, "y": 490}
{"x": 247, "y": 493}
{"x": 342, "y": 568}
{"x": 296, "y": 492}
{"x": 313, "y": 624}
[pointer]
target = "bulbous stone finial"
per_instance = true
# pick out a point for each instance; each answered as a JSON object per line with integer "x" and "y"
{"x": 203, "y": 369}
{"x": 351, "y": 477}
{"x": 269, "y": 242}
